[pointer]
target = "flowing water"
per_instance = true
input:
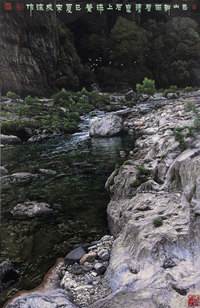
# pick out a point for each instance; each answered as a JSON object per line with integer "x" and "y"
{"x": 82, "y": 165}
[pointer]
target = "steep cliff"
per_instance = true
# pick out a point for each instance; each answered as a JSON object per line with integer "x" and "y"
{"x": 28, "y": 52}
{"x": 154, "y": 213}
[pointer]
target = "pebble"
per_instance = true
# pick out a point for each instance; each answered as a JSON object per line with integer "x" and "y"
{"x": 89, "y": 257}
{"x": 103, "y": 254}
{"x": 100, "y": 268}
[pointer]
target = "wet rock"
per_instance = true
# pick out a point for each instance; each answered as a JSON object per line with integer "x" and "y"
{"x": 75, "y": 255}
{"x": 88, "y": 278}
{"x": 108, "y": 126}
{"x": 143, "y": 97}
{"x": 38, "y": 138}
{"x": 106, "y": 238}
{"x": 3, "y": 170}
{"x": 169, "y": 263}
{"x": 87, "y": 266}
{"x": 9, "y": 139}
{"x": 22, "y": 177}
{"x": 34, "y": 209}
{"x": 138, "y": 123}
{"x": 7, "y": 273}
{"x": 49, "y": 299}
{"x": 103, "y": 254}
{"x": 100, "y": 268}
{"x": 122, "y": 154}
{"x": 131, "y": 95}
{"x": 89, "y": 257}
{"x": 172, "y": 95}
{"x": 77, "y": 269}
{"x": 47, "y": 171}
{"x": 42, "y": 137}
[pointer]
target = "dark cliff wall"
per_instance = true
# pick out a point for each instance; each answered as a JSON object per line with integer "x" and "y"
{"x": 28, "y": 52}
{"x": 41, "y": 54}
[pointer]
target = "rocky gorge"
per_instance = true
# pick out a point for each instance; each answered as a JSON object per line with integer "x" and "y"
{"x": 151, "y": 258}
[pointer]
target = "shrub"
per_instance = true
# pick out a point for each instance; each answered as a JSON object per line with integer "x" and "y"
{"x": 172, "y": 89}
{"x": 63, "y": 94}
{"x": 148, "y": 87}
{"x": 12, "y": 95}
{"x": 163, "y": 155}
{"x": 175, "y": 176}
{"x": 147, "y": 160}
{"x": 190, "y": 106}
{"x": 135, "y": 183}
{"x": 30, "y": 100}
{"x": 188, "y": 89}
{"x": 157, "y": 222}
{"x": 180, "y": 136}
{"x": 191, "y": 132}
{"x": 116, "y": 171}
{"x": 144, "y": 170}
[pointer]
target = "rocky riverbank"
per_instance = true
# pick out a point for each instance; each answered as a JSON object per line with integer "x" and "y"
{"x": 153, "y": 259}
{"x": 154, "y": 211}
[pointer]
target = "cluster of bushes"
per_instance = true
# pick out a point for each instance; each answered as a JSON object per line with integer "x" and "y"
{"x": 148, "y": 87}
{"x": 145, "y": 49}
{"x": 181, "y": 133}
{"x": 63, "y": 116}
{"x": 82, "y": 101}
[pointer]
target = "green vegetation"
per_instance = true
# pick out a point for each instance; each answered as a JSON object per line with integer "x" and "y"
{"x": 144, "y": 49}
{"x": 127, "y": 162}
{"x": 163, "y": 155}
{"x": 189, "y": 89}
{"x": 180, "y": 136}
{"x": 175, "y": 177}
{"x": 172, "y": 89}
{"x": 142, "y": 176}
{"x": 180, "y": 133}
{"x": 12, "y": 95}
{"x": 157, "y": 222}
{"x": 116, "y": 171}
{"x": 136, "y": 183}
{"x": 148, "y": 87}
{"x": 190, "y": 106}
{"x": 82, "y": 101}
{"x": 63, "y": 116}
{"x": 15, "y": 126}
{"x": 147, "y": 160}
{"x": 30, "y": 100}
{"x": 143, "y": 170}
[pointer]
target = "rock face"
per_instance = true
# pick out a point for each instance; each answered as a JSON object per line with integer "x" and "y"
{"x": 3, "y": 171}
{"x": 50, "y": 299}
{"x": 156, "y": 263}
{"x": 84, "y": 279}
{"x": 22, "y": 177}
{"x": 29, "y": 50}
{"x": 34, "y": 209}
{"x": 75, "y": 255}
{"x": 7, "y": 273}
{"x": 9, "y": 139}
{"x": 108, "y": 126}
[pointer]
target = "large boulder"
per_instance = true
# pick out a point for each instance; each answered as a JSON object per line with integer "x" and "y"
{"x": 7, "y": 273}
{"x": 9, "y": 139}
{"x": 50, "y": 299}
{"x": 22, "y": 177}
{"x": 34, "y": 209}
{"x": 108, "y": 126}
{"x": 75, "y": 255}
{"x": 155, "y": 219}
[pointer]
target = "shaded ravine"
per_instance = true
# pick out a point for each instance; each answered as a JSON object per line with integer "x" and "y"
{"x": 82, "y": 165}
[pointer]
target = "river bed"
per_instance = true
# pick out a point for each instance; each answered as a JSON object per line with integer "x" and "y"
{"x": 82, "y": 165}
